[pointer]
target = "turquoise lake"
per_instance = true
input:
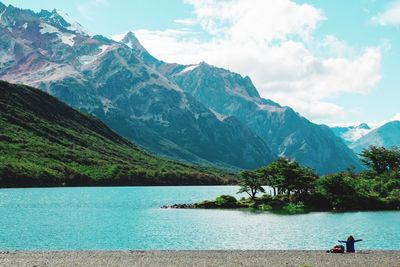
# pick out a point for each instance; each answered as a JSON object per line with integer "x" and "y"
{"x": 101, "y": 218}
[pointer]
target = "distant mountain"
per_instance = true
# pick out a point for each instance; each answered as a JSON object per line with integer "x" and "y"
{"x": 116, "y": 82}
{"x": 388, "y": 135}
{"x": 284, "y": 130}
{"x": 44, "y": 142}
{"x": 351, "y": 134}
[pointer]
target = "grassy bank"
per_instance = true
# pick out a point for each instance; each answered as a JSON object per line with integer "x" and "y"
{"x": 43, "y": 142}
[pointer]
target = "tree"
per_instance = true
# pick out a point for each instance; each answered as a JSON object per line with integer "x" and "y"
{"x": 272, "y": 176}
{"x": 305, "y": 181}
{"x": 339, "y": 189}
{"x": 381, "y": 159}
{"x": 287, "y": 176}
{"x": 250, "y": 183}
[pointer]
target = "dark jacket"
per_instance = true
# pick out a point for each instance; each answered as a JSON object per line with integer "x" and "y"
{"x": 350, "y": 244}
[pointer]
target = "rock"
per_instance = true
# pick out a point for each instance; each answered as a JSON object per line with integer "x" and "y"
{"x": 180, "y": 206}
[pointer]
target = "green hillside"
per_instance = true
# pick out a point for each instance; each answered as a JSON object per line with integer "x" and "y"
{"x": 43, "y": 142}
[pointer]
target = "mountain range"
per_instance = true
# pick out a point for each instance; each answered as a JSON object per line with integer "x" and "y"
{"x": 44, "y": 142}
{"x": 387, "y": 135}
{"x": 196, "y": 113}
{"x": 284, "y": 130}
{"x": 362, "y": 136}
{"x": 351, "y": 134}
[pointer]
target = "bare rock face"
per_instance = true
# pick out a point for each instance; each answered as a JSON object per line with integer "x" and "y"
{"x": 118, "y": 82}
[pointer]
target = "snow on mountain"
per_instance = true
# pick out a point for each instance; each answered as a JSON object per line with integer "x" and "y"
{"x": 46, "y": 28}
{"x": 351, "y": 134}
{"x": 355, "y": 134}
{"x": 91, "y": 58}
{"x": 387, "y": 135}
{"x": 189, "y": 68}
{"x": 73, "y": 24}
{"x": 362, "y": 136}
{"x": 66, "y": 38}
{"x": 62, "y": 20}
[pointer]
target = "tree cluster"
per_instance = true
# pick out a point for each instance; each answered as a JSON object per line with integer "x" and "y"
{"x": 376, "y": 187}
{"x": 284, "y": 176}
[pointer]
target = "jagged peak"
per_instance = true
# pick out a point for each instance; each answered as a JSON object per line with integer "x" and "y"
{"x": 11, "y": 8}
{"x": 7, "y": 15}
{"x": 130, "y": 35}
{"x": 244, "y": 81}
{"x": 61, "y": 19}
{"x": 132, "y": 41}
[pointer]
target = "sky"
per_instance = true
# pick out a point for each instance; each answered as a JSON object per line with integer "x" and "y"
{"x": 334, "y": 61}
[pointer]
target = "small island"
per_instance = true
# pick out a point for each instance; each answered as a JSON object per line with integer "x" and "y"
{"x": 295, "y": 189}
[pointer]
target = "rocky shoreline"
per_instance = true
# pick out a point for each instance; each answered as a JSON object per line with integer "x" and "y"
{"x": 295, "y": 258}
{"x": 180, "y": 206}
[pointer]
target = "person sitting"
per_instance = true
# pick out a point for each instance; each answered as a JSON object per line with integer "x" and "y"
{"x": 350, "y": 244}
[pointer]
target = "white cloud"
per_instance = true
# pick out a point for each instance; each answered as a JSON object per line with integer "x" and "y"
{"x": 396, "y": 117}
{"x": 272, "y": 42}
{"x": 186, "y": 22}
{"x": 257, "y": 20}
{"x": 87, "y": 8}
{"x": 390, "y": 16}
{"x": 332, "y": 46}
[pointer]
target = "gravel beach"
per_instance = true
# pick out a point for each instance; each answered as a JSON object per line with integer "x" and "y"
{"x": 198, "y": 258}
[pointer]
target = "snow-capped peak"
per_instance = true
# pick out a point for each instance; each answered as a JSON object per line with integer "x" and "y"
{"x": 62, "y": 21}
{"x": 351, "y": 134}
{"x": 355, "y": 133}
{"x": 74, "y": 25}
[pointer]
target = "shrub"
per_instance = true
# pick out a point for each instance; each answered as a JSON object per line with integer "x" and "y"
{"x": 265, "y": 207}
{"x": 293, "y": 208}
{"x": 206, "y": 205}
{"x": 226, "y": 201}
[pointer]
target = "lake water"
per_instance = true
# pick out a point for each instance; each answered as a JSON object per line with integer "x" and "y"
{"x": 130, "y": 218}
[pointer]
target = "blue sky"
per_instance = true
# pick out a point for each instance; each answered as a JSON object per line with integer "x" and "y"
{"x": 335, "y": 61}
